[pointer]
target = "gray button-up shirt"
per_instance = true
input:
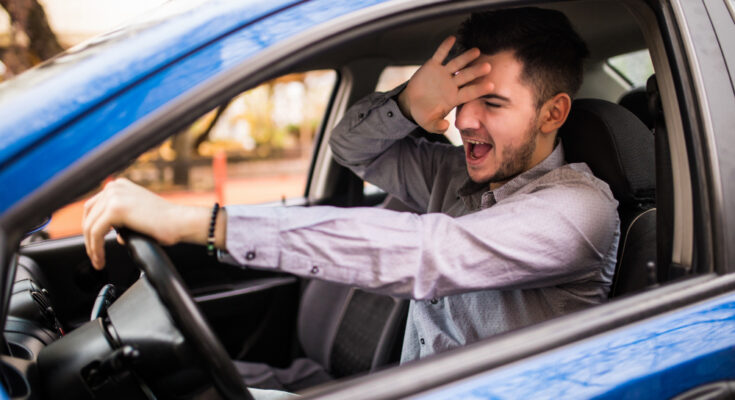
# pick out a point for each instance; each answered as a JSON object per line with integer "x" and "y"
{"x": 478, "y": 263}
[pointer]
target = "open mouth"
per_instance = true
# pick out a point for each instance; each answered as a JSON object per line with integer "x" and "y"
{"x": 477, "y": 149}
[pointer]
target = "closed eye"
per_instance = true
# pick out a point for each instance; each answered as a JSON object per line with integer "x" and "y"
{"x": 493, "y": 105}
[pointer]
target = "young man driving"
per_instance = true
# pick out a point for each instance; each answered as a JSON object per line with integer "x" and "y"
{"x": 512, "y": 235}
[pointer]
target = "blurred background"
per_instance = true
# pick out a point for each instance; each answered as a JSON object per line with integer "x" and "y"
{"x": 254, "y": 149}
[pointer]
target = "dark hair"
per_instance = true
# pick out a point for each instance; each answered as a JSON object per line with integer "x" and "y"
{"x": 543, "y": 40}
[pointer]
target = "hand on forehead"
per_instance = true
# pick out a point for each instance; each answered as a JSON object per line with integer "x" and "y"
{"x": 436, "y": 88}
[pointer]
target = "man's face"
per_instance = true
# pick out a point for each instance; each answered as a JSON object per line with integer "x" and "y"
{"x": 500, "y": 130}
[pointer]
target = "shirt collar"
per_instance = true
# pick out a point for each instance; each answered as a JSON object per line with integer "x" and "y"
{"x": 471, "y": 191}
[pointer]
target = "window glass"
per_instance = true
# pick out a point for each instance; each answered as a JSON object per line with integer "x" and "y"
{"x": 254, "y": 149}
{"x": 635, "y": 67}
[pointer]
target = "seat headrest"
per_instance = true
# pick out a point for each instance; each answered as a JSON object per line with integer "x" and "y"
{"x": 616, "y": 146}
{"x": 636, "y": 101}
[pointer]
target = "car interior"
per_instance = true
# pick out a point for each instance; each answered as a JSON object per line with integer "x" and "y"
{"x": 305, "y": 333}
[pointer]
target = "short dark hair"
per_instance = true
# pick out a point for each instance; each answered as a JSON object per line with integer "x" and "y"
{"x": 543, "y": 40}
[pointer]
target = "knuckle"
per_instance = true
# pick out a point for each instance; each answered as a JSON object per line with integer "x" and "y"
{"x": 114, "y": 206}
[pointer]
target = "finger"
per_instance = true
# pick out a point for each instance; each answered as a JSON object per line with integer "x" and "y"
{"x": 97, "y": 240}
{"x": 442, "y": 51}
{"x": 469, "y": 74}
{"x": 474, "y": 91}
{"x": 89, "y": 204}
{"x": 91, "y": 214}
{"x": 95, "y": 217}
{"x": 463, "y": 59}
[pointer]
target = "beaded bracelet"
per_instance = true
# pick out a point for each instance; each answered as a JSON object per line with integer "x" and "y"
{"x": 212, "y": 224}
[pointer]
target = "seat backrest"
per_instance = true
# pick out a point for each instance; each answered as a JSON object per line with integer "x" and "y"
{"x": 347, "y": 330}
{"x": 619, "y": 149}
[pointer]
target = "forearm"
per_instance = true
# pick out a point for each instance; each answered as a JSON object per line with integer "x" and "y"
{"x": 404, "y": 254}
{"x": 368, "y": 129}
{"x": 373, "y": 140}
{"x": 193, "y": 225}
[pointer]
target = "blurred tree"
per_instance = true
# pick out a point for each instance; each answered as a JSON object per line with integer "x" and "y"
{"x": 31, "y": 38}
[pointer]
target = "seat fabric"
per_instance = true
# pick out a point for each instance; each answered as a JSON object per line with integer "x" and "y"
{"x": 636, "y": 101}
{"x": 619, "y": 149}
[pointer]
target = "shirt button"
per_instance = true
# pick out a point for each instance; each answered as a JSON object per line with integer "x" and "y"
{"x": 422, "y": 341}
{"x": 315, "y": 270}
{"x": 390, "y": 114}
{"x": 361, "y": 115}
{"x": 250, "y": 255}
{"x": 434, "y": 300}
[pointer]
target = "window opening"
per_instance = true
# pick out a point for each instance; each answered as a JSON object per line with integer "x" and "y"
{"x": 255, "y": 148}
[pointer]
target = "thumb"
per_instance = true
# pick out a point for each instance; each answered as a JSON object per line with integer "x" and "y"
{"x": 440, "y": 126}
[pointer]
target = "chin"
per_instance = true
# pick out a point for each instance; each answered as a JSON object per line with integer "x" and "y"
{"x": 479, "y": 177}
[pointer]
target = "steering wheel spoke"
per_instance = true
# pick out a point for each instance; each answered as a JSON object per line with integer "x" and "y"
{"x": 169, "y": 286}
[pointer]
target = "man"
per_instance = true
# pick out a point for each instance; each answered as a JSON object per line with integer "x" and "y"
{"x": 512, "y": 234}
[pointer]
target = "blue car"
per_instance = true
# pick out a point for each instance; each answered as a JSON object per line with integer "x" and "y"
{"x": 654, "y": 119}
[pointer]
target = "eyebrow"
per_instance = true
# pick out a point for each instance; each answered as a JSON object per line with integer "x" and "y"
{"x": 493, "y": 96}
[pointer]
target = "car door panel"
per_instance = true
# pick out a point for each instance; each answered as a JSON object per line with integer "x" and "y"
{"x": 657, "y": 358}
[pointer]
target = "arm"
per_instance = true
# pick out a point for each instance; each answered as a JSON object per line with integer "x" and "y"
{"x": 125, "y": 204}
{"x": 536, "y": 240}
{"x": 532, "y": 240}
{"x": 372, "y": 138}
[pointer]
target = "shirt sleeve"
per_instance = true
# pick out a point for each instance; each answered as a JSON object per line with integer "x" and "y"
{"x": 532, "y": 240}
{"x": 372, "y": 139}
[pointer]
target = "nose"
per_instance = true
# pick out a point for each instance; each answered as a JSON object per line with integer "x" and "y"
{"x": 468, "y": 116}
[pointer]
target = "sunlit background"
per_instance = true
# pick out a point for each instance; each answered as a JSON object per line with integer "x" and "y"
{"x": 77, "y": 20}
{"x": 256, "y": 148}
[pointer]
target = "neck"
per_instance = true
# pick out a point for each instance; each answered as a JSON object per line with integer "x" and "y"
{"x": 544, "y": 148}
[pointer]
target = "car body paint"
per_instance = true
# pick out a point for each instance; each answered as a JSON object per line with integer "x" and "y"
{"x": 656, "y": 358}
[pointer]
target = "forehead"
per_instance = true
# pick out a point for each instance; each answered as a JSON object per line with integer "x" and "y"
{"x": 505, "y": 74}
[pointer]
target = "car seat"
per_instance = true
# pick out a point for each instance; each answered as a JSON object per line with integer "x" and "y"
{"x": 343, "y": 331}
{"x": 636, "y": 101}
{"x": 619, "y": 149}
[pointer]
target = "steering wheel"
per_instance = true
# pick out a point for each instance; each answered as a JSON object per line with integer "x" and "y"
{"x": 167, "y": 283}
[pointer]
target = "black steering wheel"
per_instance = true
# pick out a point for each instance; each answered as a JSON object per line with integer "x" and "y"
{"x": 167, "y": 283}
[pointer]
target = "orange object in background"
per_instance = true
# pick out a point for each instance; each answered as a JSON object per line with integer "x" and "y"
{"x": 219, "y": 170}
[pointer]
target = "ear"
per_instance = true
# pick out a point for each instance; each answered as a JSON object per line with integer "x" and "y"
{"x": 554, "y": 112}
